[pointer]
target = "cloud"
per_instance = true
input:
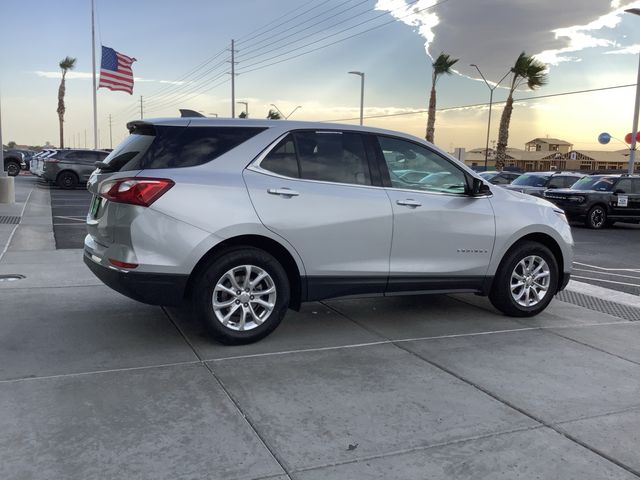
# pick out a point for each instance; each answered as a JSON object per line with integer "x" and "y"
{"x": 86, "y": 75}
{"x": 492, "y": 33}
{"x": 630, "y": 50}
{"x": 70, "y": 75}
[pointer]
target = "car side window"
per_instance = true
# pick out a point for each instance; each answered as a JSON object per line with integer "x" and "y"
{"x": 557, "y": 182}
{"x": 625, "y": 185}
{"x": 332, "y": 157}
{"x": 438, "y": 173}
{"x": 282, "y": 159}
{"x": 568, "y": 181}
{"x": 501, "y": 180}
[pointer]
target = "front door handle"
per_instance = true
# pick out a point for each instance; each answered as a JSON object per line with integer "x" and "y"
{"x": 284, "y": 192}
{"x": 409, "y": 202}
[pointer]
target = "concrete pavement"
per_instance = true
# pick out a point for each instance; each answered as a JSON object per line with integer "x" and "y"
{"x": 94, "y": 385}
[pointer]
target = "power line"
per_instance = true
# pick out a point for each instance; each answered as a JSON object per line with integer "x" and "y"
{"x": 167, "y": 105}
{"x": 472, "y": 105}
{"x": 176, "y": 93}
{"x": 243, "y": 39}
{"x": 193, "y": 85}
{"x": 278, "y": 40}
{"x": 249, "y": 69}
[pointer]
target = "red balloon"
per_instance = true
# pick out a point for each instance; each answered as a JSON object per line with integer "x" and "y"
{"x": 627, "y": 138}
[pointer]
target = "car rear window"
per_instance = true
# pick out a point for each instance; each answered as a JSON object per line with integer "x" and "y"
{"x": 175, "y": 147}
{"x": 528, "y": 180}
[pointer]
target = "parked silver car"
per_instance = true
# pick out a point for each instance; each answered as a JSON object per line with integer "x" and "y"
{"x": 246, "y": 218}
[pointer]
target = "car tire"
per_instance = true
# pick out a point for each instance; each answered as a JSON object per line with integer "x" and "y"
{"x": 517, "y": 274}
{"x": 13, "y": 168}
{"x": 236, "y": 319}
{"x": 67, "y": 180}
{"x": 596, "y": 218}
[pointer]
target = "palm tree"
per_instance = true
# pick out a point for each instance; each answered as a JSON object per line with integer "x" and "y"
{"x": 441, "y": 65}
{"x": 527, "y": 69}
{"x": 67, "y": 64}
{"x": 273, "y": 115}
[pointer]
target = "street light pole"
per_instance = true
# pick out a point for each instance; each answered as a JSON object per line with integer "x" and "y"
{"x": 634, "y": 131}
{"x": 491, "y": 89}
{"x": 246, "y": 107}
{"x": 361, "y": 74}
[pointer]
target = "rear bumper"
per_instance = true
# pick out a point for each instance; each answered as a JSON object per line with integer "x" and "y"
{"x": 151, "y": 288}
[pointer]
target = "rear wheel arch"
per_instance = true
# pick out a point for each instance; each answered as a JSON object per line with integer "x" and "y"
{"x": 298, "y": 290}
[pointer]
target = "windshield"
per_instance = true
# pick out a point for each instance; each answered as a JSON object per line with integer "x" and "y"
{"x": 600, "y": 184}
{"x": 488, "y": 175}
{"x": 529, "y": 180}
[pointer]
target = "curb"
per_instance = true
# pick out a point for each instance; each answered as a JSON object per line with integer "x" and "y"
{"x": 604, "y": 293}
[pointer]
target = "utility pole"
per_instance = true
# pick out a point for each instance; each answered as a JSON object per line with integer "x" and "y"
{"x": 85, "y": 138}
{"x": 636, "y": 108}
{"x": 93, "y": 72}
{"x": 361, "y": 75}
{"x": 233, "y": 79}
{"x": 110, "y": 134}
{"x": 141, "y": 112}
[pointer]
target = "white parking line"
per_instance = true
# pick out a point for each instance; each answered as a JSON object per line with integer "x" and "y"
{"x": 604, "y": 273}
{"x": 637, "y": 270}
{"x": 75, "y": 219}
{"x": 607, "y": 281}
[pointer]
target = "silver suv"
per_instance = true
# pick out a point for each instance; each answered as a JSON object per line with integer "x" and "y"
{"x": 245, "y": 219}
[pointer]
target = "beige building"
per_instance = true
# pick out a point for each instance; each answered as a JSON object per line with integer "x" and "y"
{"x": 548, "y": 145}
{"x": 544, "y": 154}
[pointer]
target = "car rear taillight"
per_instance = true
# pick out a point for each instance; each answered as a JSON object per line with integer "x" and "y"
{"x": 121, "y": 264}
{"x": 135, "y": 191}
{"x": 51, "y": 160}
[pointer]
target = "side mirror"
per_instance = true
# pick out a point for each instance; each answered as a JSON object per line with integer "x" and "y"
{"x": 477, "y": 187}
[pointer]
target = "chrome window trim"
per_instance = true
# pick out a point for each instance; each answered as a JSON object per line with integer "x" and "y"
{"x": 254, "y": 166}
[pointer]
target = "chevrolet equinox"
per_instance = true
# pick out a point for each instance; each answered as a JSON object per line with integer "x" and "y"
{"x": 244, "y": 219}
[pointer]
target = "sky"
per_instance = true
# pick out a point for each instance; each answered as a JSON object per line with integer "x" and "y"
{"x": 297, "y": 53}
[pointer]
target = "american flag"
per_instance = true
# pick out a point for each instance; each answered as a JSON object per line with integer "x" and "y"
{"x": 115, "y": 71}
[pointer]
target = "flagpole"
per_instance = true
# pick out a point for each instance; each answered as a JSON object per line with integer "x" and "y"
{"x": 95, "y": 91}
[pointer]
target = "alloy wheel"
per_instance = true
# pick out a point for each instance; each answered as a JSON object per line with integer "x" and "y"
{"x": 244, "y": 298}
{"x": 530, "y": 281}
{"x": 597, "y": 217}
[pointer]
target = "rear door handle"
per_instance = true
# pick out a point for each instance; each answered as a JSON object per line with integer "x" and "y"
{"x": 284, "y": 192}
{"x": 409, "y": 202}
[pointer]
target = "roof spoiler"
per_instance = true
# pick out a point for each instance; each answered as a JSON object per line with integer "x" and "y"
{"x": 186, "y": 113}
{"x": 141, "y": 127}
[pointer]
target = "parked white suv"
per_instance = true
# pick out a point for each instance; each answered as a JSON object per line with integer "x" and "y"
{"x": 246, "y": 218}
